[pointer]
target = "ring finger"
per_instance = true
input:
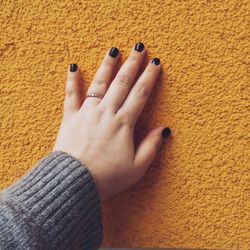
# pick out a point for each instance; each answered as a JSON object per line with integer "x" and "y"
{"x": 120, "y": 86}
{"x": 103, "y": 76}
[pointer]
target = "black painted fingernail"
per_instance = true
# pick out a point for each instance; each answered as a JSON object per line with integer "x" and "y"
{"x": 139, "y": 47}
{"x": 73, "y": 67}
{"x": 166, "y": 132}
{"x": 114, "y": 52}
{"x": 156, "y": 61}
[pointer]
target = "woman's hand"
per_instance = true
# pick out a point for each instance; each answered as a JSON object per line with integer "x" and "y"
{"x": 100, "y": 132}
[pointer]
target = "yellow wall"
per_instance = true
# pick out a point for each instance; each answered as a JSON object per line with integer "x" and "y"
{"x": 195, "y": 194}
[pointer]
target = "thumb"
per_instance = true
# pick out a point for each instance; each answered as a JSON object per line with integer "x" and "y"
{"x": 149, "y": 147}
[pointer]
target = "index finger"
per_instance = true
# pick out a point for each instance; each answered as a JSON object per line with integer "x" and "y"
{"x": 140, "y": 92}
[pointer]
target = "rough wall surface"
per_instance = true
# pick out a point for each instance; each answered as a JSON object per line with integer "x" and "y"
{"x": 196, "y": 194}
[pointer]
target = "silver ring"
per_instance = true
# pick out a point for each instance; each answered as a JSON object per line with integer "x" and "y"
{"x": 94, "y": 95}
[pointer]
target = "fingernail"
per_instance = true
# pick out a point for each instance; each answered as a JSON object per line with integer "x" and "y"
{"x": 113, "y": 52}
{"x": 166, "y": 132}
{"x": 139, "y": 47}
{"x": 156, "y": 61}
{"x": 73, "y": 67}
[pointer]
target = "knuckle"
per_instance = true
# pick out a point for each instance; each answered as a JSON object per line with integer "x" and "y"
{"x": 142, "y": 90}
{"x": 125, "y": 119}
{"x": 73, "y": 94}
{"x": 98, "y": 115}
{"x": 100, "y": 82}
{"x": 70, "y": 91}
{"x": 123, "y": 79}
{"x": 103, "y": 112}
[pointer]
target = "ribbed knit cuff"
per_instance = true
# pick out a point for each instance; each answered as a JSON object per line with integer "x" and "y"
{"x": 59, "y": 196}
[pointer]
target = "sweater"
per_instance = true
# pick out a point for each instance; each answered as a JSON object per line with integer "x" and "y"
{"x": 55, "y": 205}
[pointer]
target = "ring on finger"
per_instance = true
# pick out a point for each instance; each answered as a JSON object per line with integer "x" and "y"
{"x": 94, "y": 95}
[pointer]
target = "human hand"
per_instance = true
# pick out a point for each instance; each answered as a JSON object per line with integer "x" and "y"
{"x": 100, "y": 132}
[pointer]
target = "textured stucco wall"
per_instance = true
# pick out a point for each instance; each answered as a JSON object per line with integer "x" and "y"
{"x": 196, "y": 194}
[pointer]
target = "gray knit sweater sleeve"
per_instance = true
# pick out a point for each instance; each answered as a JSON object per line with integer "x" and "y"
{"x": 55, "y": 205}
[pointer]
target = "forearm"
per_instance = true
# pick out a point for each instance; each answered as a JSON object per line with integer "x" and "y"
{"x": 54, "y": 206}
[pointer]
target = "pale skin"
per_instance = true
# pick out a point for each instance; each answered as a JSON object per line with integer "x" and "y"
{"x": 100, "y": 132}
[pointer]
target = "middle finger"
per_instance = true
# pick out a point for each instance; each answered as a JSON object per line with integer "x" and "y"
{"x": 119, "y": 88}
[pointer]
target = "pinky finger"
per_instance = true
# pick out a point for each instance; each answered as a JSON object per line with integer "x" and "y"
{"x": 73, "y": 90}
